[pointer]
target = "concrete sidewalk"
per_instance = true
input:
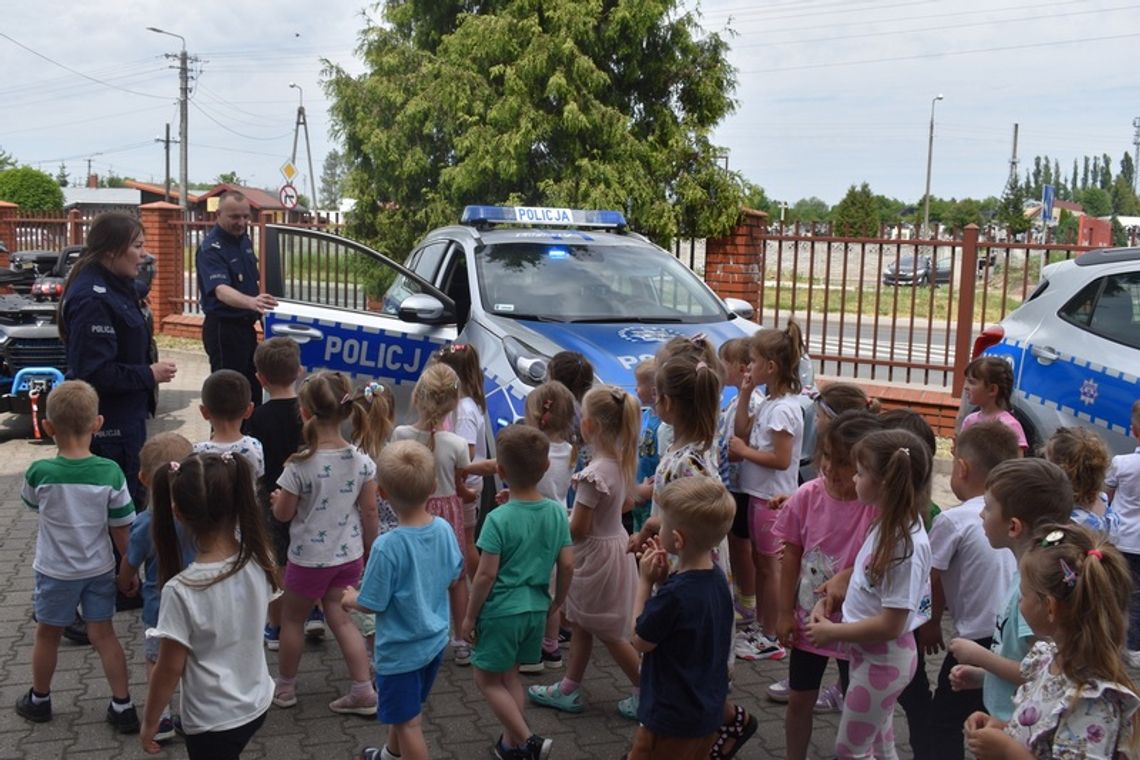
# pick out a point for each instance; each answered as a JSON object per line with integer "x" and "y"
{"x": 458, "y": 724}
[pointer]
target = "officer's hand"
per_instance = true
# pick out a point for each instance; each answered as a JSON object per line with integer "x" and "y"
{"x": 164, "y": 371}
{"x": 263, "y": 302}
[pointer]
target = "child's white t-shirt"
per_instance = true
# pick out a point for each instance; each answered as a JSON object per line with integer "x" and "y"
{"x": 326, "y": 530}
{"x": 779, "y": 414}
{"x": 555, "y": 484}
{"x": 975, "y": 576}
{"x": 1124, "y": 476}
{"x": 904, "y": 586}
{"x": 471, "y": 426}
{"x": 450, "y": 451}
{"x": 226, "y": 682}
{"x": 248, "y": 446}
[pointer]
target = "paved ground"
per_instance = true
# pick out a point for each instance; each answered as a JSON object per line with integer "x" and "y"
{"x": 458, "y": 724}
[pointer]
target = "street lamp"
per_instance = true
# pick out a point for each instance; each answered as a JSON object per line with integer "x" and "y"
{"x": 183, "y": 114}
{"x": 300, "y": 91}
{"x": 929, "y": 161}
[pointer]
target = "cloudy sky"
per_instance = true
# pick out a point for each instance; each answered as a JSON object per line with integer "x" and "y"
{"x": 830, "y": 92}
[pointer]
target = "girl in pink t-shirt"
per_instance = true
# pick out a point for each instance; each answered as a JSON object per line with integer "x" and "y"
{"x": 989, "y": 386}
{"x": 822, "y": 527}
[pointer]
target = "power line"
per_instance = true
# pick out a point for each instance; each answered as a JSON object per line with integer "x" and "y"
{"x": 101, "y": 151}
{"x": 209, "y": 116}
{"x": 947, "y": 54}
{"x": 80, "y": 73}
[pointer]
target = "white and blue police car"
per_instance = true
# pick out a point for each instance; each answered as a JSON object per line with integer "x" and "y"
{"x": 1075, "y": 347}
{"x": 519, "y": 284}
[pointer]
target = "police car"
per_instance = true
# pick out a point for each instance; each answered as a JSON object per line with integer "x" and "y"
{"x": 518, "y": 283}
{"x": 1075, "y": 347}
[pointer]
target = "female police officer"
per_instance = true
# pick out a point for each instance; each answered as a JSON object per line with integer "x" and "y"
{"x": 108, "y": 340}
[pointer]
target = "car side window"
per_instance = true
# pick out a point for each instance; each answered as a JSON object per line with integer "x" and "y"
{"x": 421, "y": 260}
{"x": 1109, "y": 307}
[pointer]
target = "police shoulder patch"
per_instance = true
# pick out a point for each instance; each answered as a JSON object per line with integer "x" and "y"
{"x": 99, "y": 288}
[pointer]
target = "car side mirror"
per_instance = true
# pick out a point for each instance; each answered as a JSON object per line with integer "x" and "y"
{"x": 424, "y": 308}
{"x": 739, "y": 307}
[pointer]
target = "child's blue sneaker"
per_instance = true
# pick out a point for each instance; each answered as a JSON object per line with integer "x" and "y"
{"x": 315, "y": 624}
{"x": 627, "y": 707}
{"x": 552, "y": 696}
{"x": 272, "y": 637}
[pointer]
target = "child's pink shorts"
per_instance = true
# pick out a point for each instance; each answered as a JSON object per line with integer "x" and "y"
{"x": 761, "y": 521}
{"x": 314, "y": 582}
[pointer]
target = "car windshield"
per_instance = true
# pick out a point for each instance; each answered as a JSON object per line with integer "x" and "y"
{"x": 591, "y": 283}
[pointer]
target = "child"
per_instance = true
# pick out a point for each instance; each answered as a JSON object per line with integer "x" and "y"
{"x": 968, "y": 576}
{"x": 226, "y": 403}
{"x": 822, "y": 527}
{"x": 574, "y": 370}
{"x": 912, "y": 421}
{"x": 1077, "y": 699}
{"x": 471, "y": 426}
{"x": 1009, "y": 519}
{"x": 1122, "y": 484}
{"x": 889, "y": 593}
{"x": 505, "y": 620}
{"x": 78, "y": 496}
{"x": 328, "y": 491}
{"x": 601, "y": 592}
{"x": 989, "y": 386}
{"x": 830, "y": 401}
{"x": 276, "y": 424}
{"x": 1084, "y": 458}
{"x": 684, "y": 630}
{"x": 405, "y": 586}
{"x": 211, "y": 616}
{"x": 769, "y": 440}
{"x": 434, "y": 398}
{"x": 160, "y": 450}
{"x": 648, "y": 453}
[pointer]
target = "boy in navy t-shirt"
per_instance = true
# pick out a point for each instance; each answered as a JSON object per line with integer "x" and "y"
{"x": 685, "y": 629}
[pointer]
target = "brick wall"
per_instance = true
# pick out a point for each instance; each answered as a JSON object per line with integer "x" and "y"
{"x": 735, "y": 263}
{"x": 938, "y": 407}
{"x": 164, "y": 241}
{"x": 8, "y": 213}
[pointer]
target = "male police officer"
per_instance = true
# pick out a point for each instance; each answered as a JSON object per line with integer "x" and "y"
{"x": 230, "y": 285}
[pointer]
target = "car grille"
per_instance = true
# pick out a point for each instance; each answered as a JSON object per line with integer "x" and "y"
{"x": 22, "y": 353}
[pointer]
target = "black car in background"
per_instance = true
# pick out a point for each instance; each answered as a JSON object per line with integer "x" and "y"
{"x": 921, "y": 270}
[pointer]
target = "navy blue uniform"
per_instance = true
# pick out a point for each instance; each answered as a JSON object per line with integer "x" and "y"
{"x": 228, "y": 333}
{"x": 108, "y": 345}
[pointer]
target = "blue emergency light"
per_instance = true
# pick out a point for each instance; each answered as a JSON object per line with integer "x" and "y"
{"x": 541, "y": 216}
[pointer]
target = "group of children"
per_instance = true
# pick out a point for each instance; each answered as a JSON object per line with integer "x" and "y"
{"x": 673, "y": 531}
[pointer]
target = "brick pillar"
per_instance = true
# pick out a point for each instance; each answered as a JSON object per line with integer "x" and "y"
{"x": 163, "y": 232}
{"x": 75, "y": 227}
{"x": 8, "y": 212}
{"x": 734, "y": 264}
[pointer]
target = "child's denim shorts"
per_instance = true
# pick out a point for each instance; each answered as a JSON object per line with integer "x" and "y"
{"x": 55, "y": 600}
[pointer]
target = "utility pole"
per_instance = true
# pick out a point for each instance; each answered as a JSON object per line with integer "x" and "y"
{"x": 166, "y": 145}
{"x": 303, "y": 123}
{"x": 88, "y": 179}
{"x": 1136, "y": 142}
{"x": 183, "y": 114}
{"x": 1013, "y": 157}
{"x": 929, "y": 164}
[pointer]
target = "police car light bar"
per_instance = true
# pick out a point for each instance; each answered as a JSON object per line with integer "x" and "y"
{"x": 541, "y": 215}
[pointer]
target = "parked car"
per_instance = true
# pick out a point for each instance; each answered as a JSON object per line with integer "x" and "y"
{"x": 575, "y": 280}
{"x": 25, "y": 266}
{"x": 906, "y": 272}
{"x": 1075, "y": 347}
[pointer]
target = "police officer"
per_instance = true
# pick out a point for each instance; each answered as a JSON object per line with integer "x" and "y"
{"x": 230, "y": 287}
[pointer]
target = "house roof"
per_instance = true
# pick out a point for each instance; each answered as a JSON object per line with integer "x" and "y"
{"x": 1073, "y": 206}
{"x": 148, "y": 187}
{"x": 258, "y": 199}
{"x": 101, "y": 196}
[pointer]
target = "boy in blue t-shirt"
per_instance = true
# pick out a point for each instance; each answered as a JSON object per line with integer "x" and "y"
{"x": 157, "y": 451}
{"x": 685, "y": 629}
{"x": 648, "y": 453}
{"x": 406, "y": 582}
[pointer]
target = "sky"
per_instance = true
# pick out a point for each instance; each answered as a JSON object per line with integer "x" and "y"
{"x": 829, "y": 93}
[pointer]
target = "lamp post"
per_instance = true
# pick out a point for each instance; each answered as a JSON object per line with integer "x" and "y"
{"x": 303, "y": 123}
{"x": 929, "y": 162}
{"x": 183, "y": 112}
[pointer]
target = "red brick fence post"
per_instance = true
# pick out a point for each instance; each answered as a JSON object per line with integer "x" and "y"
{"x": 734, "y": 264}
{"x": 164, "y": 240}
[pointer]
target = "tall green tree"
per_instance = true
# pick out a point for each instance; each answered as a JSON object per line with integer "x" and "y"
{"x": 601, "y": 104}
{"x": 62, "y": 178}
{"x": 1105, "y": 172}
{"x": 1124, "y": 201}
{"x": 1119, "y": 234}
{"x": 964, "y": 212}
{"x": 1011, "y": 211}
{"x": 1096, "y": 202}
{"x": 332, "y": 179}
{"x": 30, "y": 189}
{"x": 809, "y": 210}
{"x": 7, "y": 161}
{"x": 1085, "y": 175}
{"x": 1074, "y": 183}
{"x": 857, "y": 215}
{"x": 1128, "y": 169}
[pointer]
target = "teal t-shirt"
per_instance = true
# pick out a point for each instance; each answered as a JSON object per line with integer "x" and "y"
{"x": 527, "y": 537}
{"x": 1012, "y": 637}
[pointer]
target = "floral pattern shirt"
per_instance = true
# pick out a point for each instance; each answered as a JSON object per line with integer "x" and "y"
{"x": 1055, "y": 717}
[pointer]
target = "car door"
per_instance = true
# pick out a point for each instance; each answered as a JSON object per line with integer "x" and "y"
{"x": 354, "y": 310}
{"x": 1081, "y": 366}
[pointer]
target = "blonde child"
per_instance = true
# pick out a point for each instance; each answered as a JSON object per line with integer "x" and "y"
{"x": 212, "y": 615}
{"x": 1084, "y": 458}
{"x": 822, "y": 527}
{"x": 158, "y": 451}
{"x": 471, "y": 426}
{"x": 84, "y": 507}
{"x": 434, "y": 398}
{"x": 1122, "y": 484}
{"x": 227, "y": 402}
{"x": 328, "y": 491}
{"x": 769, "y": 441}
{"x": 1077, "y": 699}
{"x": 605, "y": 576}
{"x": 889, "y": 593}
{"x": 989, "y": 386}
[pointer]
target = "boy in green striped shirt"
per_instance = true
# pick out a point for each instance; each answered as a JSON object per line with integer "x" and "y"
{"x": 78, "y": 497}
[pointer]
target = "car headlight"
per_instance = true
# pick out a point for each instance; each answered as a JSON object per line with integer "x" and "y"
{"x": 529, "y": 365}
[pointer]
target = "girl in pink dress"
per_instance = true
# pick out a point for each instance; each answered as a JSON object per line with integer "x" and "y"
{"x": 600, "y": 602}
{"x": 989, "y": 386}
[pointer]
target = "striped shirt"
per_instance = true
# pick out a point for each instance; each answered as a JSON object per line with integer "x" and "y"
{"x": 77, "y": 500}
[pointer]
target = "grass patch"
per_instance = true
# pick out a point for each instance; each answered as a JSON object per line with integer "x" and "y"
{"x": 171, "y": 342}
{"x": 891, "y": 300}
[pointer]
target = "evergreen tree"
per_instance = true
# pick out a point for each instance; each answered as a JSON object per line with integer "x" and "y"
{"x": 1119, "y": 234}
{"x": 1128, "y": 169}
{"x": 857, "y": 215}
{"x": 1074, "y": 184}
{"x": 62, "y": 178}
{"x": 1094, "y": 179}
{"x": 332, "y": 180}
{"x": 1124, "y": 201}
{"x": 1085, "y": 175}
{"x": 1096, "y": 202}
{"x": 1011, "y": 212}
{"x": 1105, "y": 172}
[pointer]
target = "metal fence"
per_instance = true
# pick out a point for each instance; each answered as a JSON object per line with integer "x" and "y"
{"x": 51, "y": 230}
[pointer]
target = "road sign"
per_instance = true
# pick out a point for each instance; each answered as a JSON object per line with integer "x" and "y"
{"x": 288, "y": 196}
{"x": 288, "y": 171}
{"x": 1047, "y": 195}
